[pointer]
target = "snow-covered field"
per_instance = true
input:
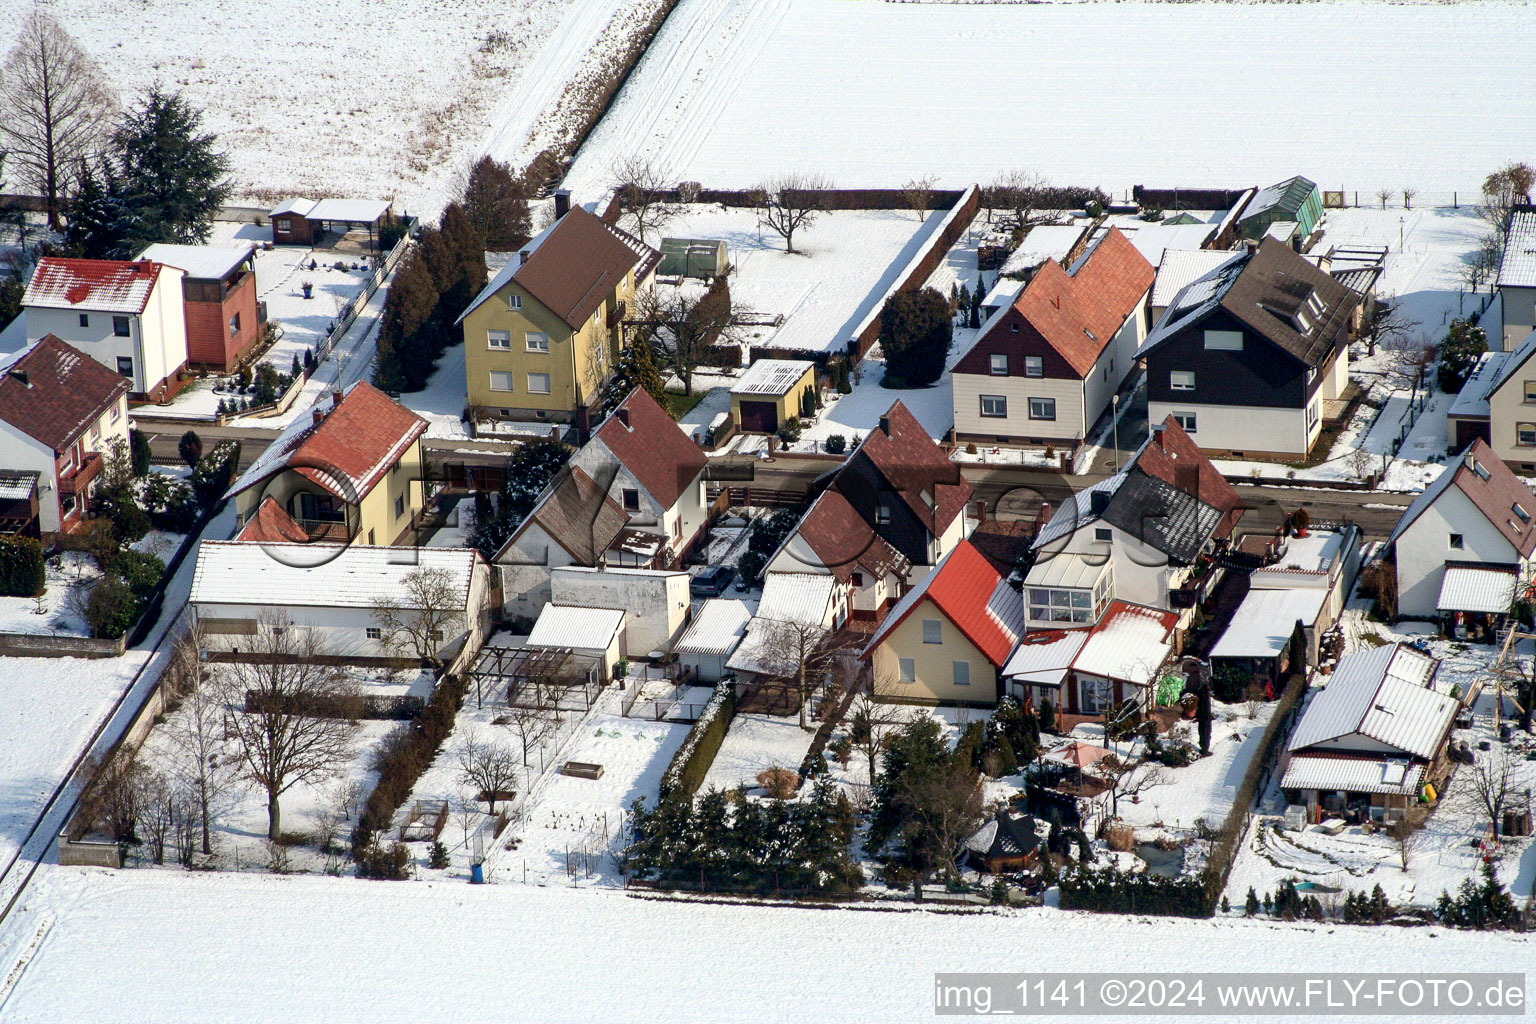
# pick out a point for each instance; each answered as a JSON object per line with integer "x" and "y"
{"x": 1110, "y": 94}
{"x": 322, "y": 949}
{"x": 755, "y": 744}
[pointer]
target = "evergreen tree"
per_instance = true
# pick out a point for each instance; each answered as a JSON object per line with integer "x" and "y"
{"x": 98, "y": 221}
{"x": 167, "y": 170}
{"x": 635, "y": 368}
{"x": 973, "y": 320}
{"x": 138, "y": 450}
{"x": 496, "y": 204}
{"x": 297, "y": 367}
{"x": 915, "y": 335}
{"x": 843, "y": 386}
{"x": 529, "y": 471}
{"x": 190, "y": 448}
{"x": 1251, "y": 904}
{"x": 403, "y": 359}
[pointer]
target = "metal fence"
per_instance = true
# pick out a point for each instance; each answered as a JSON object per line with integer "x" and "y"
{"x": 352, "y": 309}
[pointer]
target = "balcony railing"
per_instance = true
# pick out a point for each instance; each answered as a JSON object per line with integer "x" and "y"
{"x": 325, "y": 529}
{"x": 78, "y": 479}
{"x": 617, "y": 313}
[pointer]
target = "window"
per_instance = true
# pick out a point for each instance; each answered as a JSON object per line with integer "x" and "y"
{"x": 1095, "y": 695}
{"x": 1182, "y": 380}
{"x": 538, "y": 383}
{"x": 399, "y": 506}
{"x": 514, "y": 301}
{"x": 883, "y": 514}
{"x": 1034, "y": 366}
{"x": 436, "y": 635}
{"x": 1520, "y": 512}
{"x": 1457, "y": 542}
{"x": 117, "y": 413}
{"x": 962, "y": 673}
{"x": 85, "y": 320}
{"x": 1525, "y": 435}
{"x": 1014, "y": 327}
{"x": 498, "y": 339}
{"x": 994, "y": 406}
{"x": 631, "y": 498}
{"x": 125, "y": 366}
{"x": 1224, "y": 341}
{"x": 536, "y": 341}
{"x": 1103, "y": 534}
{"x": 1480, "y": 469}
{"x": 858, "y": 579}
{"x": 1530, "y": 391}
{"x": 120, "y": 326}
{"x": 999, "y": 361}
{"x": 1186, "y": 420}
{"x": 933, "y": 631}
{"x": 234, "y": 325}
{"x": 370, "y": 538}
{"x": 501, "y": 380}
{"x": 1311, "y": 415}
{"x": 374, "y": 633}
{"x": 908, "y": 669}
{"x": 1042, "y": 408}
{"x": 1069, "y": 606}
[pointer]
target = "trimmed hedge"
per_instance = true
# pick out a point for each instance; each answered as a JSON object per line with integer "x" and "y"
{"x": 1114, "y": 891}
{"x": 403, "y": 758}
{"x": 690, "y": 764}
{"x": 22, "y": 573}
{"x": 388, "y": 708}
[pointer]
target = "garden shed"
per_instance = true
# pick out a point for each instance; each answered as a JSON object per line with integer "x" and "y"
{"x": 770, "y": 392}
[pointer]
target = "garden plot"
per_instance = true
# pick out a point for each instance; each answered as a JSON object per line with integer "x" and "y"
{"x": 1113, "y": 93}
{"x": 754, "y": 744}
{"x": 69, "y": 577}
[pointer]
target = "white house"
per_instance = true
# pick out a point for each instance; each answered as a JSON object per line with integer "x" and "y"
{"x": 595, "y": 634}
{"x": 1462, "y": 549}
{"x": 60, "y": 411}
{"x": 832, "y": 539}
{"x": 331, "y": 588}
{"x": 1517, "y": 279}
{"x": 125, "y": 314}
{"x": 804, "y": 601}
{"x": 654, "y": 601}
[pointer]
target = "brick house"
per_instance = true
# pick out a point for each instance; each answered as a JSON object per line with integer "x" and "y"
{"x": 218, "y": 295}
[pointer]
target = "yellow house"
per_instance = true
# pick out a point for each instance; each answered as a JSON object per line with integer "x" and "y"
{"x": 352, "y": 471}
{"x": 770, "y": 392}
{"x": 947, "y": 639}
{"x": 541, "y": 339}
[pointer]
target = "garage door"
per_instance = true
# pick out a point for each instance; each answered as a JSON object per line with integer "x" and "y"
{"x": 759, "y": 417}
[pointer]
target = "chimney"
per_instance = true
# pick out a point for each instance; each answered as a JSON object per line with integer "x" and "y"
{"x": 623, "y": 415}
{"x": 318, "y": 415}
{"x": 1098, "y": 502}
{"x": 885, "y": 425}
{"x": 522, "y": 257}
{"x": 1043, "y": 516}
{"x": 1157, "y": 436}
{"x": 562, "y": 202}
{"x": 335, "y": 398}
{"x": 981, "y": 510}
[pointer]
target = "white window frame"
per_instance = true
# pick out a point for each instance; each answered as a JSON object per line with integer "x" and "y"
{"x": 374, "y": 632}
{"x": 498, "y": 341}
{"x": 532, "y": 390}
{"x": 508, "y": 376}
{"x": 1223, "y": 341}
{"x": 536, "y": 341}
{"x": 1186, "y": 421}
{"x": 1181, "y": 380}
{"x": 1045, "y": 404}
{"x": 999, "y": 406}
{"x": 514, "y": 301}
{"x": 1034, "y": 366}
{"x": 1525, "y": 435}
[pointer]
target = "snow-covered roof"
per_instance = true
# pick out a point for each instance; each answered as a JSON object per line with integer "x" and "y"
{"x": 1316, "y": 552}
{"x": 1003, "y": 293}
{"x": 1044, "y": 657}
{"x": 716, "y": 629}
{"x": 1382, "y": 694}
{"x": 1155, "y": 240}
{"x": 1518, "y": 267}
{"x": 1472, "y": 399}
{"x": 1265, "y": 620}
{"x": 772, "y": 377}
{"x": 798, "y": 597}
{"x": 1195, "y": 299}
{"x": 17, "y": 485}
{"x": 295, "y": 204}
{"x": 1043, "y": 242}
{"x": 318, "y": 575}
{"x": 200, "y": 261}
{"x": 1509, "y": 365}
{"x": 1466, "y": 589}
{"x": 1178, "y": 268}
{"x": 107, "y": 286}
{"x": 353, "y": 211}
{"x": 1353, "y": 774}
{"x": 1130, "y": 643}
{"x": 1076, "y": 511}
{"x": 562, "y": 626}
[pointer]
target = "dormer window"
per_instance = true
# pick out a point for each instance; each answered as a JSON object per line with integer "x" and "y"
{"x": 1520, "y": 512}
{"x": 1480, "y": 470}
{"x": 883, "y": 514}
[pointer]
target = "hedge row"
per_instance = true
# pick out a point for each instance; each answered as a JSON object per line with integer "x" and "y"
{"x": 21, "y": 567}
{"x": 403, "y": 758}
{"x": 387, "y": 708}
{"x": 690, "y": 764}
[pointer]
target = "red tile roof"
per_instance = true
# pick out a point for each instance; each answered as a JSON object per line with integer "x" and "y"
{"x": 652, "y": 447}
{"x": 1495, "y": 497}
{"x": 1078, "y": 314}
{"x": 272, "y": 525}
{"x": 1169, "y": 454}
{"x": 971, "y": 595}
{"x": 844, "y": 542}
{"x": 115, "y": 286}
{"x": 65, "y": 392}
{"x": 912, "y": 463}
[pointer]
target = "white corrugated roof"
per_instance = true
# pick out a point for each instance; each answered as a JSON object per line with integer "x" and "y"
{"x": 1352, "y": 774}
{"x": 1518, "y": 268}
{"x": 1045, "y": 660}
{"x": 1130, "y": 644}
{"x": 717, "y": 629}
{"x": 203, "y": 261}
{"x": 563, "y": 626}
{"x": 295, "y": 204}
{"x": 798, "y": 597}
{"x": 317, "y": 575}
{"x": 17, "y": 485}
{"x": 1263, "y": 623}
{"x": 772, "y": 376}
{"x": 356, "y": 211}
{"x": 1381, "y": 694}
{"x": 1068, "y": 569}
{"x": 1466, "y": 589}
{"x": 1178, "y": 268}
{"x": 1154, "y": 239}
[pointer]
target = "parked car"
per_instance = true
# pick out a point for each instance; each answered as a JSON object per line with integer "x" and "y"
{"x": 712, "y": 582}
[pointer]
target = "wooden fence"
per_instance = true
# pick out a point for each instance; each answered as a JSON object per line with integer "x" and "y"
{"x": 48, "y": 645}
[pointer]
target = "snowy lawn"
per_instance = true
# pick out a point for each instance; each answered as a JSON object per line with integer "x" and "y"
{"x": 754, "y": 744}
{"x": 1112, "y": 93}
{"x": 67, "y": 574}
{"x": 311, "y": 950}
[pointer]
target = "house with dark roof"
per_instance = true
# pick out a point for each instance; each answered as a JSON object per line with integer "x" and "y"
{"x": 1463, "y": 547}
{"x": 947, "y": 640}
{"x": 542, "y": 337}
{"x": 1043, "y": 369}
{"x": 903, "y": 486}
{"x": 125, "y": 314}
{"x": 832, "y": 538}
{"x": 351, "y": 470}
{"x": 60, "y": 411}
{"x": 1145, "y": 535}
{"x": 1251, "y": 357}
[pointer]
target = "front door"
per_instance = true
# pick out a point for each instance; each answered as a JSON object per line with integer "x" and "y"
{"x": 759, "y": 417}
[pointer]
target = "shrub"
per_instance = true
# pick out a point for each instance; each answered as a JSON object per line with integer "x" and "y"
{"x": 1110, "y": 890}
{"x": 750, "y": 566}
{"x": 110, "y": 608}
{"x": 789, "y": 430}
{"x": 138, "y": 452}
{"x": 837, "y": 444}
{"x": 391, "y": 230}
{"x": 389, "y": 863}
{"x": 215, "y": 472}
{"x": 915, "y": 335}
{"x": 141, "y": 571}
{"x": 439, "y": 859}
{"x": 22, "y": 573}
{"x": 691, "y": 762}
{"x": 1464, "y": 344}
{"x": 779, "y": 782}
{"x": 119, "y": 506}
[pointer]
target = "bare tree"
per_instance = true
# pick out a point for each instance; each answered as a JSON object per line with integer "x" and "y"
{"x": 1502, "y": 190}
{"x": 1405, "y": 833}
{"x": 1493, "y": 780}
{"x": 1384, "y": 196}
{"x": 293, "y": 715}
{"x": 1361, "y": 462}
{"x": 1384, "y": 321}
{"x": 157, "y": 812}
{"x": 1127, "y": 778}
{"x": 791, "y": 202}
{"x": 416, "y": 623}
{"x": 685, "y": 327}
{"x": 1408, "y": 194}
{"x": 114, "y": 794}
{"x": 529, "y": 724}
{"x": 868, "y": 725}
{"x": 1409, "y": 356}
{"x": 918, "y": 195}
{"x": 487, "y": 766}
{"x": 55, "y": 107}
{"x": 801, "y": 652}
{"x": 1015, "y": 193}
{"x": 197, "y": 756}
{"x": 641, "y": 189}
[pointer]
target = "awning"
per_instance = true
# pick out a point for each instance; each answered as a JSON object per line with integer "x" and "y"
{"x": 1477, "y": 590}
{"x": 1353, "y": 775}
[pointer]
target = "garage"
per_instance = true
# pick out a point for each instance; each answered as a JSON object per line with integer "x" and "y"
{"x": 760, "y": 417}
